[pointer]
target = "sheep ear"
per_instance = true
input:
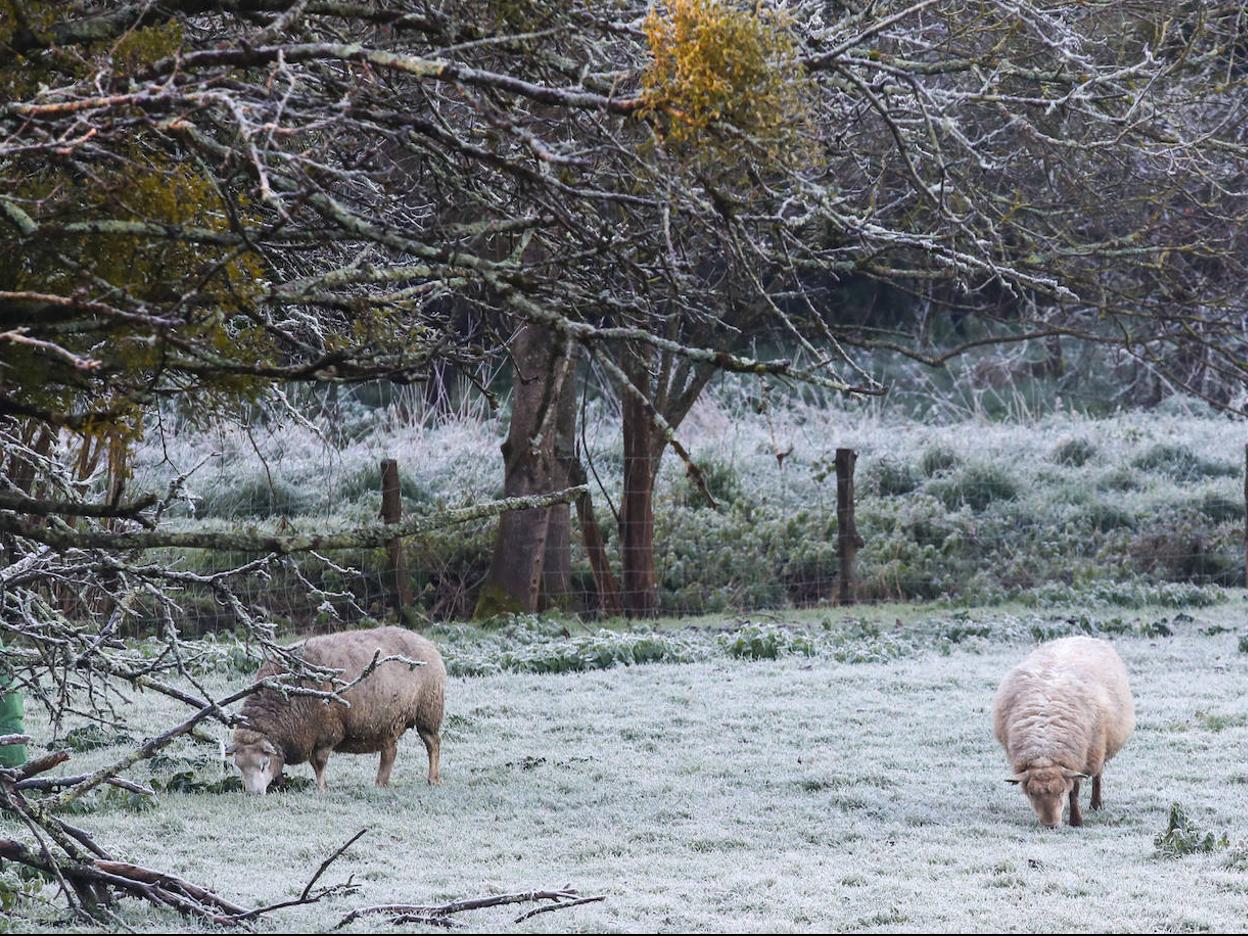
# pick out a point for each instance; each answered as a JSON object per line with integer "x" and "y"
{"x": 268, "y": 748}
{"x": 1017, "y": 778}
{"x": 1075, "y": 775}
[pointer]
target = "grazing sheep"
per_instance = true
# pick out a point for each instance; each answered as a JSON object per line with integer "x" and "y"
{"x": 1060, "y": 715}
{"x": 384, "y": 705}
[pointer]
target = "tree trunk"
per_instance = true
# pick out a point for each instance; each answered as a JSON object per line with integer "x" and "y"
{"x": 542, "y": 375}
{"x": 606, "y": 588}
{"x": 671, "y": 392}
{"x": 642, "y": 450}
{"x": 557, "y": 566}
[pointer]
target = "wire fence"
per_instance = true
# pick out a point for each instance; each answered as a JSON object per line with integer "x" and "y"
{"x": 855, "y": 536}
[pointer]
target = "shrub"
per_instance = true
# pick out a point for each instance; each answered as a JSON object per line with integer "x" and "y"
{"x": 253, "y": 497}
{"x": 894, "y": 478}
{"x": 1104, "y": 516}
{"x": 757, "y": 642}
{"x": 1183, "y": 837}
{"x": 1074, "y": 453}
{"x": 1179, "y": 546}
{"x": 721, "y": 481}
{"x": 977, "y": 486}
{"x": 937, "y": 460}
{"x": 365, "y": 483}
{"x": 1181, "y": 463}
{"x": 1119, "y": 479}
{"x": 1220, "y": 508}
{"x": 1134, "y": 593}
{"x": 90, "y": 737}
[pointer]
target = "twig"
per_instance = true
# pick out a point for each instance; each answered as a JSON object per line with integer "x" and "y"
{"x": 436, "y": 914}
{"x": 306, "y": 896}
{"x": 562, "y": 905}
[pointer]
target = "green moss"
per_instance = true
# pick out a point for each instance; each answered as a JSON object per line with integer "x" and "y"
{"x": 493, "y": 601}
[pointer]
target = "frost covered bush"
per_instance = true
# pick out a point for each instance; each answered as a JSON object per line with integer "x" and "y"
{"x": 762, "y": 642}
{"x": 893, "y": 478}
{"x": 937, "y": 460}
{"x": 1218, "y": 507}
{"x": 976, "y": 486}
{"x": 1126, "y": 594}
{"x": 963, "y": 511}
{"x": 1181, "y": 463}
{"x": 527, "y": 643}
{"x": 254, "y": 497}
{"x": 1180, "y": 544}
{"x": 1119, "y": 479}
{"x": 1184, "y": 837}
{"x": 1075, "y": 452}
{"x": 721, "y": 481}
{"x": 868, "y": 647}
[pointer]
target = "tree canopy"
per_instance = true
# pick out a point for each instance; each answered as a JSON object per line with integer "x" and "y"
{"x": 204, "y": 200}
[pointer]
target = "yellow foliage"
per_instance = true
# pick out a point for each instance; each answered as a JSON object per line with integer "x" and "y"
{"x": 152, "y": 186}
{"x": 715, "y": 65}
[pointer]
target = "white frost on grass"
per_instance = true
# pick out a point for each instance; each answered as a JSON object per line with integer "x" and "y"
{"x": 792, "y": 795}
{"x": 454, "y": 457}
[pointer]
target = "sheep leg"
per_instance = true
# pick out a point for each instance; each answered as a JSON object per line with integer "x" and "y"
{"x": 433, "y": 745}
{"x": 1096, "y": 792}
{"x": 1076, "y": 817}
{"x": 388, "y": 754}
{"x": 320, "y": 758}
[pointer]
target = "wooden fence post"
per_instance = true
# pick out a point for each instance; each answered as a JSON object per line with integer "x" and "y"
{"x": 392, "y": 512}
{"x": 848, "y": 542}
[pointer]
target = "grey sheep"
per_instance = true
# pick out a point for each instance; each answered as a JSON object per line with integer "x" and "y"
{"x": 293, "y": 729}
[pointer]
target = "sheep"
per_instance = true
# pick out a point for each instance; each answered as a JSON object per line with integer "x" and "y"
{"x": 281, "y": 730}
{"x": 1060, "y": 715}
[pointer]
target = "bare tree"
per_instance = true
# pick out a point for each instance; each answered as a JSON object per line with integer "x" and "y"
{"x": 201, "y": 199}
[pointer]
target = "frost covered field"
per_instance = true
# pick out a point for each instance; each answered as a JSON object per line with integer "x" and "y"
{"x": 795, "y": 794}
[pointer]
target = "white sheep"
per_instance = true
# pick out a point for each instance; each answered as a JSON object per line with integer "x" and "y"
{"x": 1060, "y": 715}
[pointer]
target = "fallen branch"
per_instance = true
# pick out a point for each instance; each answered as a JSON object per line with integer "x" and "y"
{"x": 155, "y": 887}
{"x": 364, "y": 537}
{"x": 36, "y": 507}
{"x": 307, "y": 896}
{"x": 439, "y": 914}
{"x": 48, "y": 784}
{"x": 562, "y": 905}
{"x": 105, "y": 877}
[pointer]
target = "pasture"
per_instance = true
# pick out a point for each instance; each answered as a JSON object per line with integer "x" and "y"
{"x": 731, "y": 392}
{"x": 841, "y": 777}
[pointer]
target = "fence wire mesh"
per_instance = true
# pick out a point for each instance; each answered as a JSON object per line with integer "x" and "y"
{"x": 944, "y": 528}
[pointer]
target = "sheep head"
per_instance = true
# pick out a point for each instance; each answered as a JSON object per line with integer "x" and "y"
{"x": 257, "y": 758}
{"x": 1047, "y": 789}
